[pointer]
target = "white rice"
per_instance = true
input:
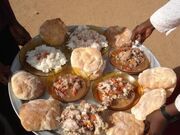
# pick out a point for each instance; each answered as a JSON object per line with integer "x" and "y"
{"x": 52, "y": 61}
{"x": 83, "y": 36}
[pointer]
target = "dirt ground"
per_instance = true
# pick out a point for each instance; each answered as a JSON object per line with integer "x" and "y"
{"x": 32, "y": 13}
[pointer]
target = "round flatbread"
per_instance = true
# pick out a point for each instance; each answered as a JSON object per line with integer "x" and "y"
{"x": 26, "y": 86}
{"x": 158, "y": 77}
{"x": 53, "y": 31}
{"x": 125, "y": 124}
{"x": 149, "y": 102}
{"x": 118, "y": 36}
{"x": 40, "y": 114}
{"x": 87, "y": 62}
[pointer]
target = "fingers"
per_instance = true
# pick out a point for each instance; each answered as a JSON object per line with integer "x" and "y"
{"x": 148, "y": 32}
{"x": 137, "y": 34}
{"x": 139, "y": 38}
{"x": 134, "y": 33}
{"x": 147, "y": 127}
{"x": 143, "y": 38}
{"x": 142, "y": 31}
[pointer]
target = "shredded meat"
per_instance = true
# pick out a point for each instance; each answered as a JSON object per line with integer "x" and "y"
{"x": 65, "y": 83}
{"x": 81, "y": 119}
{"x": 130, "y": 58}
{"x": 114, "y": 88}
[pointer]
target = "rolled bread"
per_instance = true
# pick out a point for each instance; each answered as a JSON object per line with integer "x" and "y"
{"x": 26, "y": 86}
{"x": 158, "y": 77}
{"x": 40, "y": 114}
{"x": 118, "y": 37}
{"x": 149, "y": 102}
{"x": 125, "y": 124}
{"x": 87, "y": 62}
{"x": 53, "y": 31}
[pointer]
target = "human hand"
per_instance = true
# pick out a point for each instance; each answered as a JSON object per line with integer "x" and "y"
{"x": 157, "y": 123}
{"x": 19, "y": 33}
{"x": 142, "y": 31}
{"x": 4, "y": 74}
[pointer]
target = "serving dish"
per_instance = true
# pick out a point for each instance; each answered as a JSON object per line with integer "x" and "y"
{"x": 18, "y": 65}
{"x": 122, "y": 103}
{"x": 31, "y": 45}
{"x": 117, "y": 62}
{"x": 69, "y": 95}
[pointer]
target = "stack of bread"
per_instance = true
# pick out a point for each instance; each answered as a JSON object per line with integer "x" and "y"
{"x": 157, "y": 84}
{"x": 159, "y": 77}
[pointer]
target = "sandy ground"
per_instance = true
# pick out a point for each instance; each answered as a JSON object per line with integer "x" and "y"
{"x": 32, "y": 13}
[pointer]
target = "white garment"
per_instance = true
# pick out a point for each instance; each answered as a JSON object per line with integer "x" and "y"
{"x": 177, "y": 102}
{"x": 167, "y": 18}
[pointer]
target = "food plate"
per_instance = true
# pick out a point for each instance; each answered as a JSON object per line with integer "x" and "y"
{"x": 16, "y": 103}
{"x": 100, "y": 30}
{"x": 31, "y": 45}
{"x": 122, "y": 103}
{"x": 69, "y": 96}
{"x": 125, "y": 68}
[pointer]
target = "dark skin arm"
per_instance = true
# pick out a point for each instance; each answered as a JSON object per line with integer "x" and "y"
{"x": 18, "y": 32}
{"x": 158, "y": 122}
{"x": 143, "y": 31}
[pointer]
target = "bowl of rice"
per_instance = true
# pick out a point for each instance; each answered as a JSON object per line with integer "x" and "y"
{"x": 40, "y": 59}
